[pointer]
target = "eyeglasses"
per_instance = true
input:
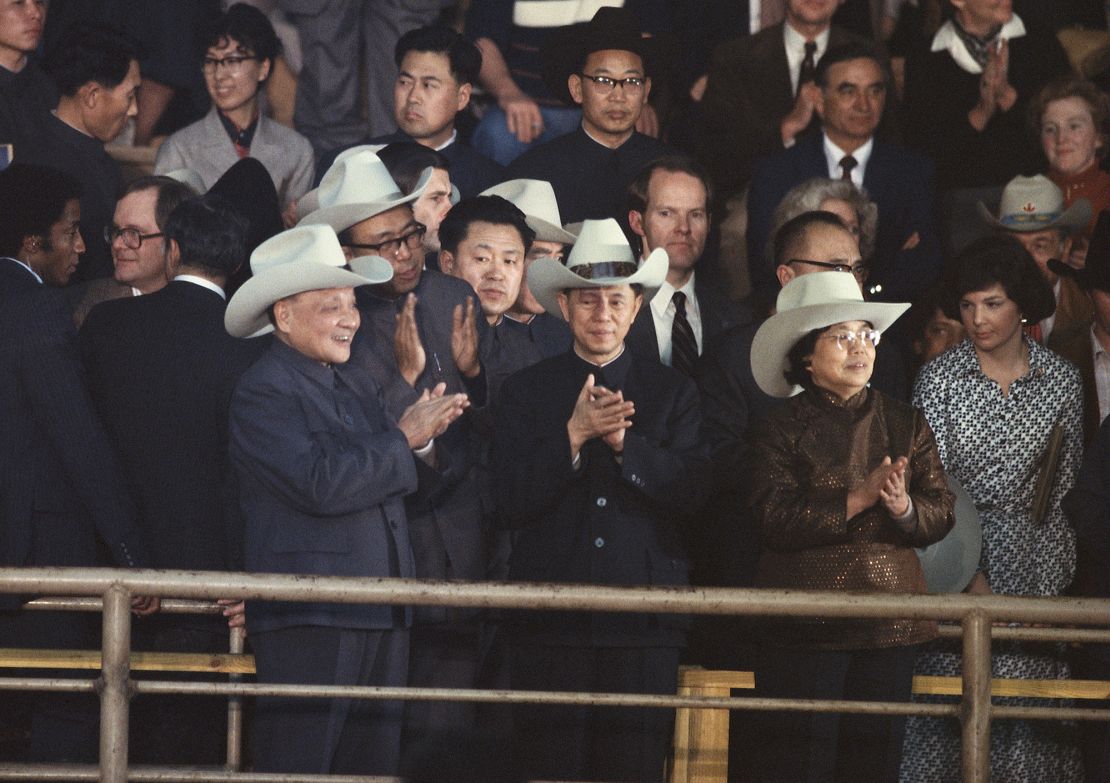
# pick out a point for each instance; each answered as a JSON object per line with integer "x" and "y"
{"x": 605, "y": 84}
{"x": 858, "y": 269}
{"x": 132, "y": 238}
{"x": 846, "y": 340}
{"x": 391, "y": 247}
{"x": 232, "y": 65}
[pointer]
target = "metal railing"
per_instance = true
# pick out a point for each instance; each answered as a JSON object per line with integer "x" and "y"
{"x": 975, "y": 614}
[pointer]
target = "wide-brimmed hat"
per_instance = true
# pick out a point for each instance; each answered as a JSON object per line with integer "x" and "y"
{"x": 950, "y": 563}
{"x": 1035, "y": 204}
{"x": 601, "y": 257}
{"x": 809, "y": 302}
{"x": 536, "y": 199}
{"x": 1096, "y": 269}
{"x": 356, "y": 188}
{"x": 310, "y": 201}
{"x": 610, "y": 28}
{"x": 305, "y": 258}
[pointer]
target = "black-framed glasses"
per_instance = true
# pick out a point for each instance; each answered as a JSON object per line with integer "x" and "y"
{"x": 132, "y": 237}
{"x": 232, "y": 65}
{"x": 606, "y": 84}
{"x": 858, "y": 269}
{"x": 412, "y": 240}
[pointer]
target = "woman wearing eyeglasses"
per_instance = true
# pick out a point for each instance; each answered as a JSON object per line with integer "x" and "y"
{"x": 845, "y": 482}
{"x": 240, "y": 49}
{"x": 993, "y": 402}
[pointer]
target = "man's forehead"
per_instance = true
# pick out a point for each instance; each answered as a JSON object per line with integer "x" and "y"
{"x": 614, "y": 61}
{"x": 825, "y": 241}
{"x": 862, "y": 70}
{"x": 671, "y": 184}
{"x": 393, "y": 221}
{"x": 622, "y": 290}
{"x": 418, "y": 63}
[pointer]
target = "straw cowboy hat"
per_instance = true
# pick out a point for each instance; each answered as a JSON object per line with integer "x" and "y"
{"x": 601, "y": 257}
{"x": 1035, "y": 204}
{"x": 305, "y": 258}
{"x": 809, "y": 302}
{"x": 356, "y": 188}
{"x": 536, "y": 199}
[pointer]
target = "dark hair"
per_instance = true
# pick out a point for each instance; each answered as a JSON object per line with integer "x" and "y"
{"x": 32, "y": 199}
{"x": 1097, "y": 101}
{"x": 793, "y": 232}
{"x": 857, "y": 50}
{"x": 210, "y": 233}
{"x": 247, "y": 25}
{"x": 90, "y": 53}
{"x": 675, "y": 164}
{"x": 923, "y": 308}
{"x": 406, "y": 160}
{"x": 1001, "y": 260}
{"x": 464, "y": 57}
{"x": 486, "y": 209}
{"x": 171, "y": 192}
{"x": 798, "y": 362}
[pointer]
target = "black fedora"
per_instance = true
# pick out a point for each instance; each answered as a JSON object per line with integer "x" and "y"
{"x": 1096, "y": 272}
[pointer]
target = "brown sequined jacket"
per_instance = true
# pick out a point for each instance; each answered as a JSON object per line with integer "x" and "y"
{"x": 806, "y": 456}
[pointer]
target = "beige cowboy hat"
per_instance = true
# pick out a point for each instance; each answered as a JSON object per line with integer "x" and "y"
{"x": 950, "y": 563}
{"x": 536, "y": 199}
{"x": 1035, "y": 204}
{"x": 809, "y": 302}
{"x": 305, "y": 258}
{"x": 601, "y": 257}
{"x": 356, "y": 188}
{"x": 310, "y": 201}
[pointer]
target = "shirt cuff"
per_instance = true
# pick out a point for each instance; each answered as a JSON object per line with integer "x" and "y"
{"x": 576, "y": 463}
{"x": 426, "y": 449}
{"x": 908, "y": 521}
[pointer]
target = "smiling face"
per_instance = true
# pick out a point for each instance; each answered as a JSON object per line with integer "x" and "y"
{"x": 426, "y": 97}
{"x": 21, "y": 24}
{"x": 610, "y": 115}
{"x": 676, "y": 218}
{"x": 142, "y": 267}
{"x": 56, "y": 255}
{"x": 992, "y": 319}
{"x": 319, "y": 324}
{"x": 432, "y": 206}
{"x": 1069, "y": 137}
{"x": 491, "y": 259}
{"x": 599, "y": 319}
{"x": 842, "y": 367}
{"x": 230, "y": 91}
{"x": 852, "y": 101}
{"x": 407, "y": 265}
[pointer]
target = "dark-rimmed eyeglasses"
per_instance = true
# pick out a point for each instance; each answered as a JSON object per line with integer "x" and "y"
{"x": 857, "y": 268}
{"x": 847, "y": 339}
{"x": 132, "y": 237}
{"x": 391, "y": 247}
{"x": 606, "y": 84}
{"x": 232, "y": 65}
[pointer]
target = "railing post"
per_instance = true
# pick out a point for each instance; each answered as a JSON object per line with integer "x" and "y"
{"x": 114, "y": 684}
{"x": 235, "y": 710}
{"x": 975, "y": 709}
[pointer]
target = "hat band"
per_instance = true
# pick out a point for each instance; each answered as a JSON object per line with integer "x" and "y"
{"x": 604, "y": 269}
{"x": 1019, "y": 218}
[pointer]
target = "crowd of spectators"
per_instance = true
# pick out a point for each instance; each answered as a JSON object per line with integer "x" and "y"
{"x": 541, "y": 290}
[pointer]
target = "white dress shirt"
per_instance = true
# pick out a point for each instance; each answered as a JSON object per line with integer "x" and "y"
{"x": 833, "y": 156}
{"x": 203, "y": 283}
{"x": 662, "y": 312}
{"x": 946, "y": 38}
{"x": 796, "y": 51}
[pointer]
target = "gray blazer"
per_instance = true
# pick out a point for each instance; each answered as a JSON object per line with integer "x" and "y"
{"x": 205, "y": 148}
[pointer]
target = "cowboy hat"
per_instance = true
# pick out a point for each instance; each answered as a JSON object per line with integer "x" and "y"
{"x": 536, "y": 199}
{"x": 601, "y": 257}
{"x": 1096, "y": 270}
{"x": 356, "y": 188}
{"x": 808, "y": 302}
{"x": 187, "y": 176}
{"x": 310, "y": 201}
{"x": 1035, "y": 204}
{"x": 950, "y": 563}
{"x": 305, "y": 258}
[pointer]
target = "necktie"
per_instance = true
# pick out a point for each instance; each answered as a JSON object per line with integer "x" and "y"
{"x": 808, "y": 71}
{"x": 684, "y": 348}
{"x": 847, "y": 163}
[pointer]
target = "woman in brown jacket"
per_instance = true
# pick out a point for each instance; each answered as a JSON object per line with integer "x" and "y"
{"x": 845, "y": 483}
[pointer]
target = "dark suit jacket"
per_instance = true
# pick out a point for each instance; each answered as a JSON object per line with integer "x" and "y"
{"x": 745, "y": 101}
{"x": 62, "y": 497}
{"x": 899, "y": 181}
{"x": 161, "y": 372}
{"x": 1076, "y": 348}
{"x": 323, "y": 473}
{"x": 609, "y": 522}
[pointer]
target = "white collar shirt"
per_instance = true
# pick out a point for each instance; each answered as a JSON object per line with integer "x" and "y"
{"x": 662, "y": 313}
{"x": 795, "y": 44}
{"x": 947, "y": 38}
{"x": 203, "y": 283}
{"x": 833, "y": 156}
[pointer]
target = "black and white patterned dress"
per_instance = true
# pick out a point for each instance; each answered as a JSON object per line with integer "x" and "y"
{"x": 992, "y": 444}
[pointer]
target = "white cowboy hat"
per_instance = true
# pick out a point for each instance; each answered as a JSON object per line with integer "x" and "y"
{"x": 950, "y": 563}
{"x": 536, "y": 199}
{"x": 305, "y": 258}
{"x": 356, "y": 188}
{"x": 187, "y": 176}
{"x": 809, "y": 302}
{"x": 600, "y": 257}
{"x": 1035, "y": 204}
{"x": 310, "y": 201}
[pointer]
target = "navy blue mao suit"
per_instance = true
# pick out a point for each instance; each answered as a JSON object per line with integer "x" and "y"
{"x": 898, "y": 180}
{"x": 323, "y": 474}
{"x": 606, "y": 522}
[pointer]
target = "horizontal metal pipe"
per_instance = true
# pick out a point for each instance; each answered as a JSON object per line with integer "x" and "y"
{"x": 48, "y": 772}
{"x": 166, "y": 606}
{"x": 1029, "y": 634}
{"x": 414, "y": 592}
{"x": 1049, "y": 713}
{"x": 55, "y": 685}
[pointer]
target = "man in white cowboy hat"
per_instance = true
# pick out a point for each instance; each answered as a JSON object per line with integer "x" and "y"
{"x": 599, "y": 463}
{"x": 1032, "y": 210}
{"x": 323, "y": 472}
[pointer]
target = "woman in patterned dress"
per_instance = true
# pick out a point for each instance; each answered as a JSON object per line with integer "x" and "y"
{"x": 992, "y": 402}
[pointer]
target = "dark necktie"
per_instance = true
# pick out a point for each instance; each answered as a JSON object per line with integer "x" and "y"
{"x": 847, "y": 163}
{"x": 808, "y": 71}
{"x": 684, "y": 348}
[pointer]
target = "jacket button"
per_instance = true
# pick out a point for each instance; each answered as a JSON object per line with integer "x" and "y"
{"x": 349, "y": 419}
{"x": 599, "y": 542}
{"x": 601, "y": 502}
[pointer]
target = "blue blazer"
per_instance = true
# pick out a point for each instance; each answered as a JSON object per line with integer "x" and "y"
{"x": 899, "y": 181}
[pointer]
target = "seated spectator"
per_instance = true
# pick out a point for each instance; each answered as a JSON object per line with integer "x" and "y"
{"x": 240, "y": 47}
{"x": 407, "y": 162}
{"x": 26, "y": 94}
{"x": 931, "y": 330}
